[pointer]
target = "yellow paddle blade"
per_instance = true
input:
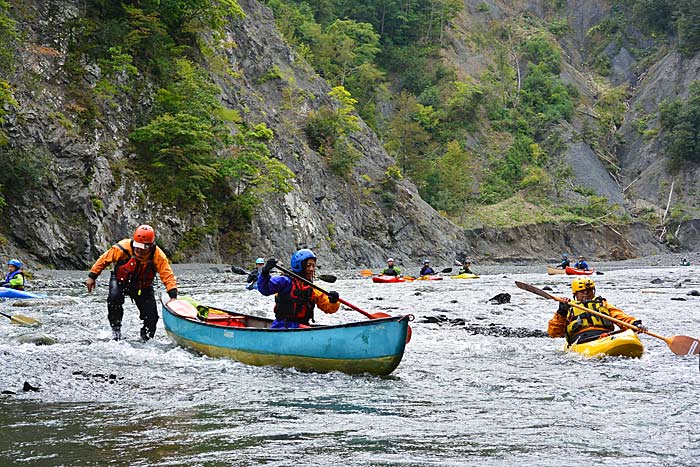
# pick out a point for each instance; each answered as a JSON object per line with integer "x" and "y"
{"x": 366, "y": 272}
{"x": 24, "y": 321}
{"x": 409, "y": 278}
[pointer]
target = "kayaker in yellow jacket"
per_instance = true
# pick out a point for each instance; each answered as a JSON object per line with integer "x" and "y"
{"x": 14, "y": 278}
{"x": 581, "y": 326}
{"x": 137, "y": 262}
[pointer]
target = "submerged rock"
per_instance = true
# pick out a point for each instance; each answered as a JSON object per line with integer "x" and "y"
{"x": 37, "y": 339}
{"x": 500, "y": 299}
{"x": 491, "y": 329}
{"x": 28, "y": 387}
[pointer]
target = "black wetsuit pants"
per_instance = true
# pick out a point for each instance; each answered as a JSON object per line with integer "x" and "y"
{"x": 144, "y": 299}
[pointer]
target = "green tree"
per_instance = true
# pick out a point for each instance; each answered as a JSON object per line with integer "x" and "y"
{"x": 251, "y": 172}
{"x": 681, "y": 120}
{"x": 688, "y": 25}
{"x": 8, "y": 34}
{"x": 180, "y": 144}
{"x": 450, "y": 185}
{"x": 328, "y": 130}
{"x": 408, "y": 142}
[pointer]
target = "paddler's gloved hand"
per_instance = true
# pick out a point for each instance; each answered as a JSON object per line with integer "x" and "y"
{"x": 172, "y": 293}
{"x": 639, "y": 324}
{"x": 333, "y": 296}
{"x": 271, "y": 263}
{"x": 563, "y": 307}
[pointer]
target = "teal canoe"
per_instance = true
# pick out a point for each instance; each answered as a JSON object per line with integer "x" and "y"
{"x": 373, "y": 346}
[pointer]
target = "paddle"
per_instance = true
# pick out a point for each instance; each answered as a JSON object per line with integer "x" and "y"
{"x": 324, "y": 277}
{"x": 344, "y": 302}
{"x": 21, "y": 320}
{"x": 679, "y": 345}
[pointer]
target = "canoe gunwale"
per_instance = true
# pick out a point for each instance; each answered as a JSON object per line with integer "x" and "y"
{"x": 314, "y": 327}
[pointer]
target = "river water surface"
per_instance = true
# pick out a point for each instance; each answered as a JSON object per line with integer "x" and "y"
{"x": 486, "y": 391}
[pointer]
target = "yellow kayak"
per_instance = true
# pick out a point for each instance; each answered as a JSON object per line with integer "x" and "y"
{"x": 465, "y": 276}
{"x": 429, "y": 278}
{"x": 624, "y": 344}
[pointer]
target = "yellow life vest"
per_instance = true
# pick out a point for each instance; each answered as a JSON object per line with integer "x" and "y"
{"x": 578, "y": 320}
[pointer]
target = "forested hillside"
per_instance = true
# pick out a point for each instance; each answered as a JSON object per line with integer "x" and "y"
{"x": 206, "y": 118}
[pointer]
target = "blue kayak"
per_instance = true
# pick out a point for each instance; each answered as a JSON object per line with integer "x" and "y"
{"x": 6, "y": 292}
{"x": 374, "y": 346}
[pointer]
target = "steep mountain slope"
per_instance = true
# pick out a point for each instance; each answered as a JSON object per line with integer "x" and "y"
{"x": 90, "y": 195}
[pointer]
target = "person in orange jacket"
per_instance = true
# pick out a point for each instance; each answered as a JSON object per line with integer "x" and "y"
{"x": 136, "y": 262}
{"x": 581, "y": 326}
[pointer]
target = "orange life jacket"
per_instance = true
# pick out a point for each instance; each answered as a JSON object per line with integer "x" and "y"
{"x": 130, "y": 275}
{"x": 296, "y": 306}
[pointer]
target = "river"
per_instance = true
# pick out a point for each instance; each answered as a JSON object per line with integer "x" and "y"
{"x": 486, "y": 391}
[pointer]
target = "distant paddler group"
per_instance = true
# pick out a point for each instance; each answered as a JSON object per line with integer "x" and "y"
{"x": 392, "y": 274}
{"x": 579, "y": 268}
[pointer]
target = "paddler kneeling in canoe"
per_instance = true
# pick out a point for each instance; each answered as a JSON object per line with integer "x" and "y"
{"x": 295, "y": 301}
{"x": 581, "y": 326}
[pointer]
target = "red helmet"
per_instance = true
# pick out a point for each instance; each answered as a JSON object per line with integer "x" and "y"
{"x": 145, "y": 234}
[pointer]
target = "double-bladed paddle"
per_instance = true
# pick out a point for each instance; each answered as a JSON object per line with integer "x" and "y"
{"x": 344, "y": 302}
{"x": 330, "y": 278}
{"x": 21, "y": 320}
{"x": 680, "y": 345}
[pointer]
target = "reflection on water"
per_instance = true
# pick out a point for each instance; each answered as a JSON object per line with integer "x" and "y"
{"x": 458, "y": 398}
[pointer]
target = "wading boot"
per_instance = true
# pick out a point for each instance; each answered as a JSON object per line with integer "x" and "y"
{"x": 116, "y": 333}
{"x": 147, "y": 334}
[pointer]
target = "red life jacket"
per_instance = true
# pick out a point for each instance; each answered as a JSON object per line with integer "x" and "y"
{"x": 296, "y": 306}
{"x": 130, "y": 275}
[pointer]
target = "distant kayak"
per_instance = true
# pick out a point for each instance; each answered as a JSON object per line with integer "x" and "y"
{"x": 387, "y": 279}
{"x": 465, "y": 276}
{"x": 578, "y": 272}
{"x": 6, "y": 292}
{"x": 624, "y": 344}
{"x": 429, "y": 278}
{"x": 551, "y": 270}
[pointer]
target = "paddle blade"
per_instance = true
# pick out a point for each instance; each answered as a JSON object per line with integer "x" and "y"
{"x": 409, "y": 278}
{"x": 535, "y": 290}
{"x": 446, "y": 270}
{"x": 327, "y": 278}
{"x": 238, "y": 270}
{"x": 683, "y": 345}
{"x": 24, "y": 321}
{"x": 366, "y": 273}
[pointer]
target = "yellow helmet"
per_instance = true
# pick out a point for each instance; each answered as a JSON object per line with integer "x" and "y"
{"x": 582, "y": 283}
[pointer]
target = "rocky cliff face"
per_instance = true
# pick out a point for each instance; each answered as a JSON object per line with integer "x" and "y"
{"x": 91, "y": 200}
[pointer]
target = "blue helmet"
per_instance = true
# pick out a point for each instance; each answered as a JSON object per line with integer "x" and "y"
{"x": 260, "y": 261}
{"x": 15, "y": 262}
{"x": 299, "y": 257}
{"x": 564, "y": 255}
